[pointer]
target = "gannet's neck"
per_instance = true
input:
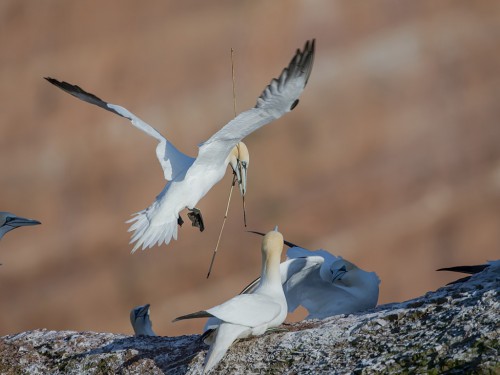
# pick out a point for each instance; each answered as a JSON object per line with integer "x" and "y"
{"x": 270, "y": 274}
{"x": 272, "y": 246}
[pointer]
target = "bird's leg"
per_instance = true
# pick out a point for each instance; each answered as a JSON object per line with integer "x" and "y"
{"x": 180, "y": 221}
{"x": 194, "y": 215}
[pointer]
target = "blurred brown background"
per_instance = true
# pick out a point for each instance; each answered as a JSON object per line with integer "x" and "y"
{"x": 392, "y": 158}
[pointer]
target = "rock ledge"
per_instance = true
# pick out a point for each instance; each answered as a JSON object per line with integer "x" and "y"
{"x": 453, "y": 330}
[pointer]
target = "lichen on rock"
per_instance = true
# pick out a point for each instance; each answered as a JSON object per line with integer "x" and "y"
{"x": 452, "y": 330}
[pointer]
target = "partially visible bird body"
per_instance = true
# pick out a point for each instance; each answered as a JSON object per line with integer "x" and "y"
{"x": 9, "y": 221}
{"x": 141, "y": 323}
{"x": 247, "y": 314}
{"x": 324, "y": 284}
{"x": 326, "y": 290}
{"x": 159, "y": 221}
{"x": 190, "y": 179}
{"x": 471, "y": 270}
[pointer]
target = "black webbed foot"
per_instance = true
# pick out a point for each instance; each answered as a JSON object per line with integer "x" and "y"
{"x": 180, "y": 221}
{"x": 196, "y": 219}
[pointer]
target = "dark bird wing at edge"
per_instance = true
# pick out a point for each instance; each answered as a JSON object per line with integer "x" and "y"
{"x": 81, "y": 94}
{"x": 199, "y": 314}
{"x": 472, "y": 270}
{"x": 466, "y": 269}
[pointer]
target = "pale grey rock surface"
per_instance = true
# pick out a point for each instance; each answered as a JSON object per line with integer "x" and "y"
{"x": 453, "y": 330}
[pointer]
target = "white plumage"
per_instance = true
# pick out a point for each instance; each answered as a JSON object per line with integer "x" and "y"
{"x": 189, "y": 179}
{"x": 247, "y": 314}
{"x": 324, "y": 284}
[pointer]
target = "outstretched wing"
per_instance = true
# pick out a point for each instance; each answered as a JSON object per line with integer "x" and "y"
{"x": 278, "y": 98}
{"x": 172, "y": 160}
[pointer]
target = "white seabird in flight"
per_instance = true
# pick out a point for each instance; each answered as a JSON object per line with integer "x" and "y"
{"x": 248, "y": 314}
{"x": 189, "y": 179}
{"x": 324, "y": 284}
{"x": 10, "y": 221}
{"x": 139, "y": 318}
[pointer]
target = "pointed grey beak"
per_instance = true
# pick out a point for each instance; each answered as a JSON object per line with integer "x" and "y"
{"x": 142, "y": 312}
{"x": 20, "y": 222}
{"x": 337, "y": 274}
{"x": 235, "y": 166}
{"x": 242, "y": 177}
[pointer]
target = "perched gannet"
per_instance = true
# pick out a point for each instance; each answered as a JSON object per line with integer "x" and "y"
{"x": 324, "y": 284}
{"x": 189, "y": 179}
{"x": 139, "y": 318}
{"x": 10, "y": 221}
{"x": 248, "y": 314}
{"x": 471, "y": 270}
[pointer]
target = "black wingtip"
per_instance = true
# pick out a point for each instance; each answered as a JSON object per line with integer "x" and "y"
{"x": 207, "y": 333}
{"x": 68, "y": 87}
{"x": 472, "y": 270}
{"x": 198, "y": 314}
{"x": 304, "y": 60}
{"x": 56, "y": 82}
{"x": 312, "y": 50}
{"x": 466, "y": 269}
{"x": 294, "y": 104}
{"x": 462, "y": 280}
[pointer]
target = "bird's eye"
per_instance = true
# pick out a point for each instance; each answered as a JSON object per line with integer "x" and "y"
{"x": 8, "y": 219}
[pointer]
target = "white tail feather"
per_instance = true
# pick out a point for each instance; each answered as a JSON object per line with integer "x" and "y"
{"x": 226, "y": 334}
{"x": 149, "y": 230}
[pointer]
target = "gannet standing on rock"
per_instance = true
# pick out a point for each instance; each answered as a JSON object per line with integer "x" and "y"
{"x": 324, "y": 284}
{"x": 189, "y": 179}
{"x": 248, "y": 314}
{"x": 10, "y": 221}
{"x": 139, "y": 318}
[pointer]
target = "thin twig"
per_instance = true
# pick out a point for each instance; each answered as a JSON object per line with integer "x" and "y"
{"x": 234, "y": 177}
{"x": 222, "y": 227}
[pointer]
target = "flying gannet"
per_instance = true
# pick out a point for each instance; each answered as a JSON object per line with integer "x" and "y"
{"x": 324, "y": 284}
{"x": 10, "y": 221}
{"x": 139, "y": 318}
{"x": 248, "y": 314}
{"x": 189, "y": 179}
{"x": 471, "y": 270}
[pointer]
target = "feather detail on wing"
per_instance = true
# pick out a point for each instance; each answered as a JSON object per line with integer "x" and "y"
{"x": 172, "y": 160}
{"x": 250, "y": 310}
{"x": 278, "y": 98}
{"x": 151, "y": 229}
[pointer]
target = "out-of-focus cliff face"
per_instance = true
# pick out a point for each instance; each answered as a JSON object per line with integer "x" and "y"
{"x": 392, "y": 158}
